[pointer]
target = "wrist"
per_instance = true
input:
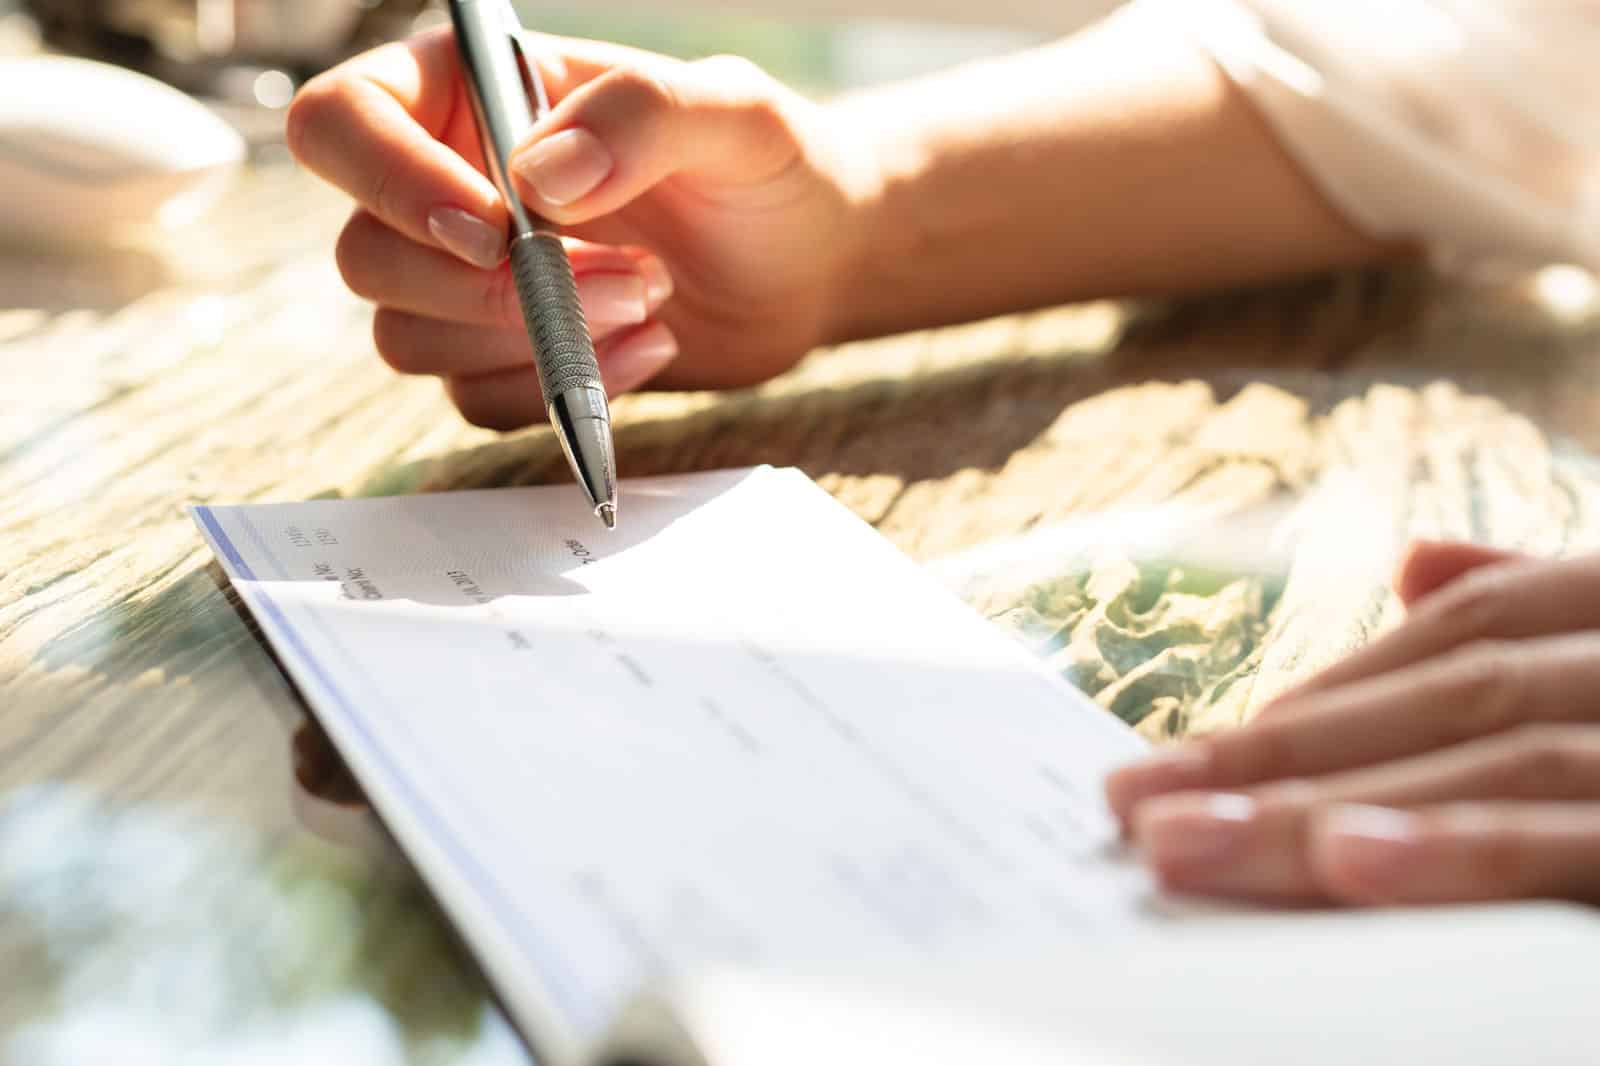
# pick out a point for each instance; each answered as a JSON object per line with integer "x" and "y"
{"x": 875, "y": 169}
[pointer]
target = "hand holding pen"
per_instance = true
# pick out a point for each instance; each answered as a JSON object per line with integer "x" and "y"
{"x": 705, "y": 244}
{"x": 1109, "y": 163}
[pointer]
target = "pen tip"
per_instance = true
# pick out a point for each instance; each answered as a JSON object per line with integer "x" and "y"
{"x": 608, "y": 514}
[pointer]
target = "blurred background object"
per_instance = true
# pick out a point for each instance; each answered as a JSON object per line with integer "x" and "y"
{"x": 110, "y": 148}
{"x": 97, "y": 138}
{"x": 222, "y": 48}
{"x": 124, "y": 121}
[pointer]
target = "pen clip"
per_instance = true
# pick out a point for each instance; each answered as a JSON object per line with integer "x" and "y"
{"x": 505, "y": 90}
{"x": 532, "y": 83}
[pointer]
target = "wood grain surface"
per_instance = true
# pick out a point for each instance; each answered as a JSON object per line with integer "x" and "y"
{"x": 168, "y": 889}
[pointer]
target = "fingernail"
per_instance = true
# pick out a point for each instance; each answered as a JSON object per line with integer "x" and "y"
{"x": 565, "y": 166}
{"x": 1367, "y": 845}
{"x": 657, "y": 281}
{"x": 467, "y": 236}
{"x": 613, "y": 299}
{"x": 1183, "y": 833}
{"x": 1176, "y": 769}
{"x": 641, "y": 356}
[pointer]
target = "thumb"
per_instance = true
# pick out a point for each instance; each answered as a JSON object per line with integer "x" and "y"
{"x": 619, "y": 135}
{"x": 1429, "y": 565}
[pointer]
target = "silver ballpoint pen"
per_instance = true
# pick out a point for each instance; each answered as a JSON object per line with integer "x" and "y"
{"x": 507, "y": 95}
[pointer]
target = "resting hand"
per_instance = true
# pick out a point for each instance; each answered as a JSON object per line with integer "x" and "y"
{"x": 708, "y": 215}
{"x": 1455, "y": 759}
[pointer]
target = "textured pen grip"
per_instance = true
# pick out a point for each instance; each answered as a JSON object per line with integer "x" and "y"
{"x": 561, "y": 345}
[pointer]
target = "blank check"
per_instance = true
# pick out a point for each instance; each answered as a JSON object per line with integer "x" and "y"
{"x": 741, "y": 729}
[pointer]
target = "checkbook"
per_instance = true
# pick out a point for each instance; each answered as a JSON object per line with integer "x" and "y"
{"x": 739, "y": 734}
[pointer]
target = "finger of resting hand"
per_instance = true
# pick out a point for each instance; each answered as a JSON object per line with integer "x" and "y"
{"x": 372, "y": 128}
{"x": 1475, "y": 691}
{"x": 1507, "y": 600}
{"x": 1459, "y": 853}
{"x": 511, "y": 399}
{"x": 1430, "y": 565}
{"x": 1257, "y": 844}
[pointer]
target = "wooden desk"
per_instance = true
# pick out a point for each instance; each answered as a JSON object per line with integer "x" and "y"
{"x": 160, "y": 890}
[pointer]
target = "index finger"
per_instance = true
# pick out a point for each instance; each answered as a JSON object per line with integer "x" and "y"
{"x": 392, "y": 127}
{"x": 377, "y": 126}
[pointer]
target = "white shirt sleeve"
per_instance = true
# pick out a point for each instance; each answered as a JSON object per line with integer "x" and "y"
{"x": 1470, "y": 125}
